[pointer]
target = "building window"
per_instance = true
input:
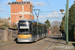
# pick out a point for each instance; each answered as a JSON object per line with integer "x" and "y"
{"x": 13, "y": 2}
{"x": 16, "y": 2}
{"x": 19, "y": 2}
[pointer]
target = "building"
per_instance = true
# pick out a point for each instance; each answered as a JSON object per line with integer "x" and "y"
{"x": 21, "y": 9}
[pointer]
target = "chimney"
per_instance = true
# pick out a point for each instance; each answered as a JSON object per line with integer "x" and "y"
{"x": 18, "y": 0}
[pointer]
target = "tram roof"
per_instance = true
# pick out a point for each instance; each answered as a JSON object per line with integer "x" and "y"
{"x": 32, "y": 21}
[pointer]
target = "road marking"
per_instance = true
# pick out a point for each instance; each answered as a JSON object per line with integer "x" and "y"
{"x": 50, "y": 44}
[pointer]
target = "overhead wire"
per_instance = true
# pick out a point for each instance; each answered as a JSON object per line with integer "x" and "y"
{"x": 48, "y": 17}
{"x": 50, "y": 7}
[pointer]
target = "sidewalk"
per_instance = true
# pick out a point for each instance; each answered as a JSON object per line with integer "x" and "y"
{"x": 61, "y": 44}
{"x": 6, "y": 43}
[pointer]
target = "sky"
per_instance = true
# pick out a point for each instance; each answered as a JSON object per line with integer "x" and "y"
{"x": 49, "y": 9}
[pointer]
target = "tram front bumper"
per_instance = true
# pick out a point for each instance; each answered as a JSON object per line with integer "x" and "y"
{"x": 24, "y": 40}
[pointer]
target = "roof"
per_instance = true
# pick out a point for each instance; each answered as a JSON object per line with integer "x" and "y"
{"x": 23, "y": 2}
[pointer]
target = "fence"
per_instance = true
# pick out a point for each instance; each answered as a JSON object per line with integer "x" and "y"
{"x": 8, "y": 34}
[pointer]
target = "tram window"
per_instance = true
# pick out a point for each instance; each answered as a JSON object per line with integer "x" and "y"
{"x": 22, "y": 22}
{"x": 34, "y": 29}
{"x": 30, "y": 22}
{"x": 23, "y": 30}
{"x": 26, "y": 30}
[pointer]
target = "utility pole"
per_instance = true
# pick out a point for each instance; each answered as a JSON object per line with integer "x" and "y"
{"x": 37, "y": 15}
{"x": 66, "y": 21}
{"x": 67, "y": 12}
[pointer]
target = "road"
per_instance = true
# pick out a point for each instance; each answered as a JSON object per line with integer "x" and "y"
{"x": 43, "y": 44}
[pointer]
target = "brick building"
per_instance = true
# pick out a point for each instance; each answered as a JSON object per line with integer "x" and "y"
{"x": 21, "y": 8}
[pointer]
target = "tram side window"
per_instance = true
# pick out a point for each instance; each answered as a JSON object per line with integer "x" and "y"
{"x": 46, "y": 30}
{"x": 34, "y": 29}
{"x": 38, "y": 29}
{"x": 42, "y": 29}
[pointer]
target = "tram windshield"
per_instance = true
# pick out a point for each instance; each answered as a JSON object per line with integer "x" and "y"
{"x": 24, "y": 27}
{"x": 22, "y": 23}
{"x": 23, "y": 31}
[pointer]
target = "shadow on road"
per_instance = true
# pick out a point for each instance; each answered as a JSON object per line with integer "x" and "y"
{"x": 73, "y": 44}
{"x": 56, "y": 35}
{"x": 26, "y": 42}
{"x": 62, "y": 38}
{"x": 59, "y": 37}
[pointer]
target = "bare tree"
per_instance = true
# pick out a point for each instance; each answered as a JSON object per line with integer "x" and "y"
{"x": 55, "y": 27}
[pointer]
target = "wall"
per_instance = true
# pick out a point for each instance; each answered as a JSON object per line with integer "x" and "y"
{"x": 7, "y": 34}
{"x": 16, "y": 11}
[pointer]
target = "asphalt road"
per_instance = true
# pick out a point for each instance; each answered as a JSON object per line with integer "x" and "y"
{"x": 43, "y": 44}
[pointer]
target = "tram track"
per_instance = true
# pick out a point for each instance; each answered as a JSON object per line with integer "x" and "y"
{"x": 50, "y": 44}
{"x": 47, "y": 43}
{"x": 38, "y": 44}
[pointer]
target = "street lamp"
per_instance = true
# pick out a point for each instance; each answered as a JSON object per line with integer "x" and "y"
{"x": 20, "y": 17}
{"x": 66, "y": 21}
{"x": 65, "y": 18}
{"x": 61, "y": 10}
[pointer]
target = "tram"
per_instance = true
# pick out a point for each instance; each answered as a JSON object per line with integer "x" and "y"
{"x": 30, "y": 31}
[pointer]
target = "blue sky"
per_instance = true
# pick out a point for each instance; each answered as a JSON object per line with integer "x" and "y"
{"x": 43, "y": 5}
